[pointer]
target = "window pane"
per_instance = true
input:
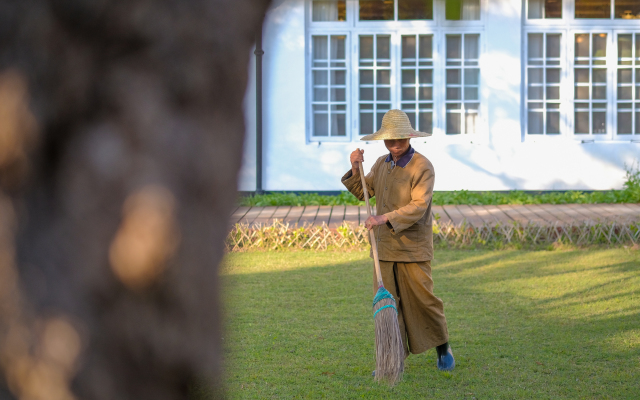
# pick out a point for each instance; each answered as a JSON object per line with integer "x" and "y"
{"x": 453, "y": 77}
{"x": 425, "y": 76}
{"x": 625, "y": 122}
{"x": 338, "y": 124}
{"x": 627, "y": 9}
{"x": 338, "y": 47}
{"x": 338, "y": 95}
{"x": 593, "y": 9}
{"x": 471, "y": 50}
{"x": 599, "y": 75}
{"x": 338, "y": 77}
{"x": 467, "y": 10}
{"x": 545, "y": 9}
{"x": 366, "y": 47}
{"x": 426, "y": 46}
{"x": 319, "y": 78}
{"x": 409, "y": 93}
{"x": 320, "y": 124}
{"x": 599, "y": 45}
{"x": 553, "y": 122}
{"x": 453, "y": 123}
{"x": 582, "y": 122}
{"x": 320, "y": 94}
{"x": 320, "y": 48}
{"x": 425, "y": 122}
{"x": 425, "y": 93}
{"x": 408, "y": 77}
{"x": 553, "y": 93}
{"x": 553, "y": 46}
{"x": 383, "y": 94}
{"x": 376, "y": 10}
{"x": 625, "y": 54}
{"x": 553, "y": 75}
{"x": 553, "y": 8}
{"x": 471, "y": 76}
{"x": 534, "y": 123}
{"x": 582, "y": 75}
{"x": 366, "y": 123}
{"x": 366, "y": 77}
{"x": 454, "y": 49}
{"x": 535, "y": 48}
{"x": 384, "y": 77}
{"x": 366, "y": 94}
{"x": 599, "y": 122}
{"x": 415, "y": 9}
{"x": 409, "y": 47}
{"x": 470, "y": 122}
{"x": 582, "y": 45}
{"x": 535, "y": 75}
{"x": 536, "y": 8}
{"x": 329, "y": 10}
{"x": 382, "y": 48}
{"x": 453, "y": 93}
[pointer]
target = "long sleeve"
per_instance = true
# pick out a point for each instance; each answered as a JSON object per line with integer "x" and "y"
{"x": 353, "y": 183}
{"x": 421, "y": 195}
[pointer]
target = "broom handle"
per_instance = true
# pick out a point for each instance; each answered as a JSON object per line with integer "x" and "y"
{"x": 374, "y": 245}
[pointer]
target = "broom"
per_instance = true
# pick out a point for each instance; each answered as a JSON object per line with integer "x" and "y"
{"x": 389, "y": 349}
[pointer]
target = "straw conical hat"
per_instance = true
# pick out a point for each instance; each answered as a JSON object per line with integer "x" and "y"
{"x": 395, "y": 125}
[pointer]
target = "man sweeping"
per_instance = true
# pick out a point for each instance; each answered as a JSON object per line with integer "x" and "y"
{"x": 402, "y": 183}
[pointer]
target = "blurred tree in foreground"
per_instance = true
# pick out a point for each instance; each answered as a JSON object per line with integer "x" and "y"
{"x": 121, "y": 133}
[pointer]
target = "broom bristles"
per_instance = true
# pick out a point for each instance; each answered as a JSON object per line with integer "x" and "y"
{"x": 389, "y": 349}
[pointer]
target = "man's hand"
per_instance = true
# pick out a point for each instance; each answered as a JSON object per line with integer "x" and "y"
{"x": 356, "y": 157}
{"x": 375, "y": 220}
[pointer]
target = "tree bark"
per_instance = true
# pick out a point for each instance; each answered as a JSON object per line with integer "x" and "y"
{"x": 121, "y": 131}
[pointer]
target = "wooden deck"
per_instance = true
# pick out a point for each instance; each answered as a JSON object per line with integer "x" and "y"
{"x": 542, "y": 214}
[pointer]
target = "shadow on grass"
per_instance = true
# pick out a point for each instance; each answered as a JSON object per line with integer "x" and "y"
{"x": 522, "y": 325}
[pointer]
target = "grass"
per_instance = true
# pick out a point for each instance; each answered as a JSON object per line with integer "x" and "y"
{"x": 630, "y": 194}
{"x": 523, "y": 325}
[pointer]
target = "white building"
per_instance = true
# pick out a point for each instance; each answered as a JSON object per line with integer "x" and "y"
{"x": 519, "y": 94}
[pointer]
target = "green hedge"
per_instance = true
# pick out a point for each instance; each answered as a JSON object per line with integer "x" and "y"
{"x": 630, "y": 194}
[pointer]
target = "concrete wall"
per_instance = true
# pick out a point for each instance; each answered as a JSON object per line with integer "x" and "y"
{"x": 497, "y": 158}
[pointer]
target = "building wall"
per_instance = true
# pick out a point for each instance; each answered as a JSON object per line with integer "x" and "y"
{"x": 499, "y": 157}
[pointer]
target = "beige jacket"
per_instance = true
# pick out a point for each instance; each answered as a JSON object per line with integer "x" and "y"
{"x": 404, "y": 196}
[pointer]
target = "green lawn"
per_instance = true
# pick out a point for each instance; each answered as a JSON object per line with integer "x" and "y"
{"x": 523, "y": 325}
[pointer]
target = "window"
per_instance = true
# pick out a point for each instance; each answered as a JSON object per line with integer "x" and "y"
{"x": 462, "y": 83}
{"x": 599, "y": 9}
{"x": 416, "y": 94}
{"x": 379, "y": 55}
{"x": 384, "y": 10}
{"x": 544, "y": 9}
{"x": 581, "y": 73}
{"x": 590, "y": 80}
{"x": 465, "y": 10}
{"x": 543, "y": 83}
{"x": 329, "y": 10}
{"x": 628, "y": 84}
{"x": 375, "y": 81}
{"x": 329, "y": 83}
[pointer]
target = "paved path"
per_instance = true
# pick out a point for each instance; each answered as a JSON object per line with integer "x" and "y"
{"x": 543, "y": 214}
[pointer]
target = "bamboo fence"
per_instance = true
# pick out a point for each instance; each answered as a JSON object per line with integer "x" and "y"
{"x": 282, "y": 236}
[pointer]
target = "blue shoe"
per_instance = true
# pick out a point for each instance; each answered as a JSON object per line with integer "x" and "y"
{"x": 446, "y": 361}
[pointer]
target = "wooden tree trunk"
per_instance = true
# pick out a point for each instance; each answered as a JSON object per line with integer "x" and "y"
{"x": 121, "y": 131}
